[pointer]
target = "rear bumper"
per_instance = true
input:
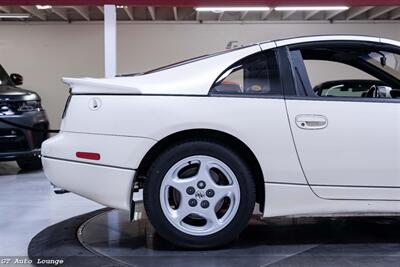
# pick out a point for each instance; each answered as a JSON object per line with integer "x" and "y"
{"x": 108, "y": 180}
{"x": 109, "y": 186}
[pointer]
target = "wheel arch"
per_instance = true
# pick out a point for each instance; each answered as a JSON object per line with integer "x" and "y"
{"x": 224, "y": 138}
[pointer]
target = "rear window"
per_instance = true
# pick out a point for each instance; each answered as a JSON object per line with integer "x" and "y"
{"x": 257, "y": 74}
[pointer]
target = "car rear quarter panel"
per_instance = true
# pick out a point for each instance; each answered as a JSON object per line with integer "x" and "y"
{"x": 260, "y": 123}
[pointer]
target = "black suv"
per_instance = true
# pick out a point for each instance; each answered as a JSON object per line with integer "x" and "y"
{"x": 20, "y": 107}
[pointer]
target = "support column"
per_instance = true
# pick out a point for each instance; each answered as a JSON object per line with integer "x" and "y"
{"x": 110, "y": 41}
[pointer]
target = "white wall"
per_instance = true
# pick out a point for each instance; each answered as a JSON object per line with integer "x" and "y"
{"x": 43, "y": 53}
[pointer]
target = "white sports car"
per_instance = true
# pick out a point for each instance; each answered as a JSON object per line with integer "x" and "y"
{"x": 210, "y": 137}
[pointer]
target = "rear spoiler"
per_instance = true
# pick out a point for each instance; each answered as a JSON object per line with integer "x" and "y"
{"x": 99, "y": 86}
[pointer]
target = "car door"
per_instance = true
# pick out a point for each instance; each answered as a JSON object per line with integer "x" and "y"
{"x": 348, "y": 146}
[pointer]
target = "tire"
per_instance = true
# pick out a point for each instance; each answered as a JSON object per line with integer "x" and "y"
{"x": 167, "y": 198}
{"x": 31, "y": 164}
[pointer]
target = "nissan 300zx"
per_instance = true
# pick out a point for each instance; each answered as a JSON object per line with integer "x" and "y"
{"x": 211, "y": 138}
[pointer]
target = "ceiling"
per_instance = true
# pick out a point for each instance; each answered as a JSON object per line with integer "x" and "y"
{"x": 189, "y": 3}
{"x": 72, "y": 13}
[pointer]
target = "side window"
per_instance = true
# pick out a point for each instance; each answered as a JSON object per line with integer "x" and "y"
{"x": 347, "y": 72}
{"x": 337, "y": 79}
{"x": 254, "y": 75}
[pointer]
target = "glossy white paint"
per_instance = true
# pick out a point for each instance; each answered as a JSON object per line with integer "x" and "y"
{"x": 115, "y": 150}
{"x": 188, "y": 79}
{"x": 359, "y": 193}
{"x": 389, "y": 41}
{"x": 299, "y": 200}
{"x": 308, "y": 39}
{"x": 359, "y": 147}
{"x": 353, "y": 156}
{"x": 106, "y": 185}
{"x": 263, "y": 127}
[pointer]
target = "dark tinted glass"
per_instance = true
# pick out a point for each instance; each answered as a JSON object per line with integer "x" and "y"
{"x": 254, "y": 75}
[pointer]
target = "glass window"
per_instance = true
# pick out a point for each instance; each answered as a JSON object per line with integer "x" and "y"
{"x": 349, "y": 88}
{"x": 360, "y": 72}
{"x": 385, "y": 61}
{"x": 254, "y": 75}
{"x": 320, "y": 71}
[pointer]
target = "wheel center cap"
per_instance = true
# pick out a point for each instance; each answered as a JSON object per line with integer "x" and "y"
{"x": 199, "y": 195}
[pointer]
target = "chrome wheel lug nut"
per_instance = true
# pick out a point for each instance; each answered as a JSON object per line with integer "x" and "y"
{"x": 192, "y": 202}
{"x": 205, "y": 204}
{"x": 210, "y": 193}
{"x": 190, "y": 190}
{"x": 201, "y": 184}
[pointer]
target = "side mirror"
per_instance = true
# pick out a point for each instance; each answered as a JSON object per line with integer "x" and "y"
{"x": 16, "y": 78}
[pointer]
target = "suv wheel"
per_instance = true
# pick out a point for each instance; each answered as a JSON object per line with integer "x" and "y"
{"x": 199, "y": 194}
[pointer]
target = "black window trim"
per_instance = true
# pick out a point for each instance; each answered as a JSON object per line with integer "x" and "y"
{"x": 307, "y": 97}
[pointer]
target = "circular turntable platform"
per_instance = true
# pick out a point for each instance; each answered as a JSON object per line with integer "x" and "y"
{"x": 107, "y": 238}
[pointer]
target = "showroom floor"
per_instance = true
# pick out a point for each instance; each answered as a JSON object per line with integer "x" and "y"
{"x": 28, "y": 205}
{"x": 273, "y": 242}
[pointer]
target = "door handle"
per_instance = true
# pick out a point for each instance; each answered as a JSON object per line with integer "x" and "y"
{"x": 311, "y": 122}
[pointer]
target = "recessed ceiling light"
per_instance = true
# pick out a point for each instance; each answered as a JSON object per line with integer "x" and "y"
{"x": 43, "y": 6}
{"x": 121, "y": 6}
{"x": 310, "y": 8}
{"x": 235, "y": 9}
{"x": 15, "y": 16}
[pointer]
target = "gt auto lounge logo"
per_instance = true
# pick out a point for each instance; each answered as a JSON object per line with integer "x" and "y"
{"x": 12, "y": 261}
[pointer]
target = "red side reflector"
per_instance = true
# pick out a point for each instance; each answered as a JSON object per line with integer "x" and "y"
{"x": 88, "y": 155}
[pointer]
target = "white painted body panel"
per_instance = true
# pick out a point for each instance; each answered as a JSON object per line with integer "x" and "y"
{"x": 361, "y": 138}
{"x": 299, "y": 200}
{"x": 308, "y": 39}
{"x": 185, "y": 79}
{"x": 358, "y": 193}
{"x": 260, "y": 123}
{"x": 116, "y": 151}
{"x": 106, "y": 185}
{"x": 109, "y": 180}
{"x": 389, "y": 41}
{"x": 137, "y": 112}
{"x": 360, "y": 147}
